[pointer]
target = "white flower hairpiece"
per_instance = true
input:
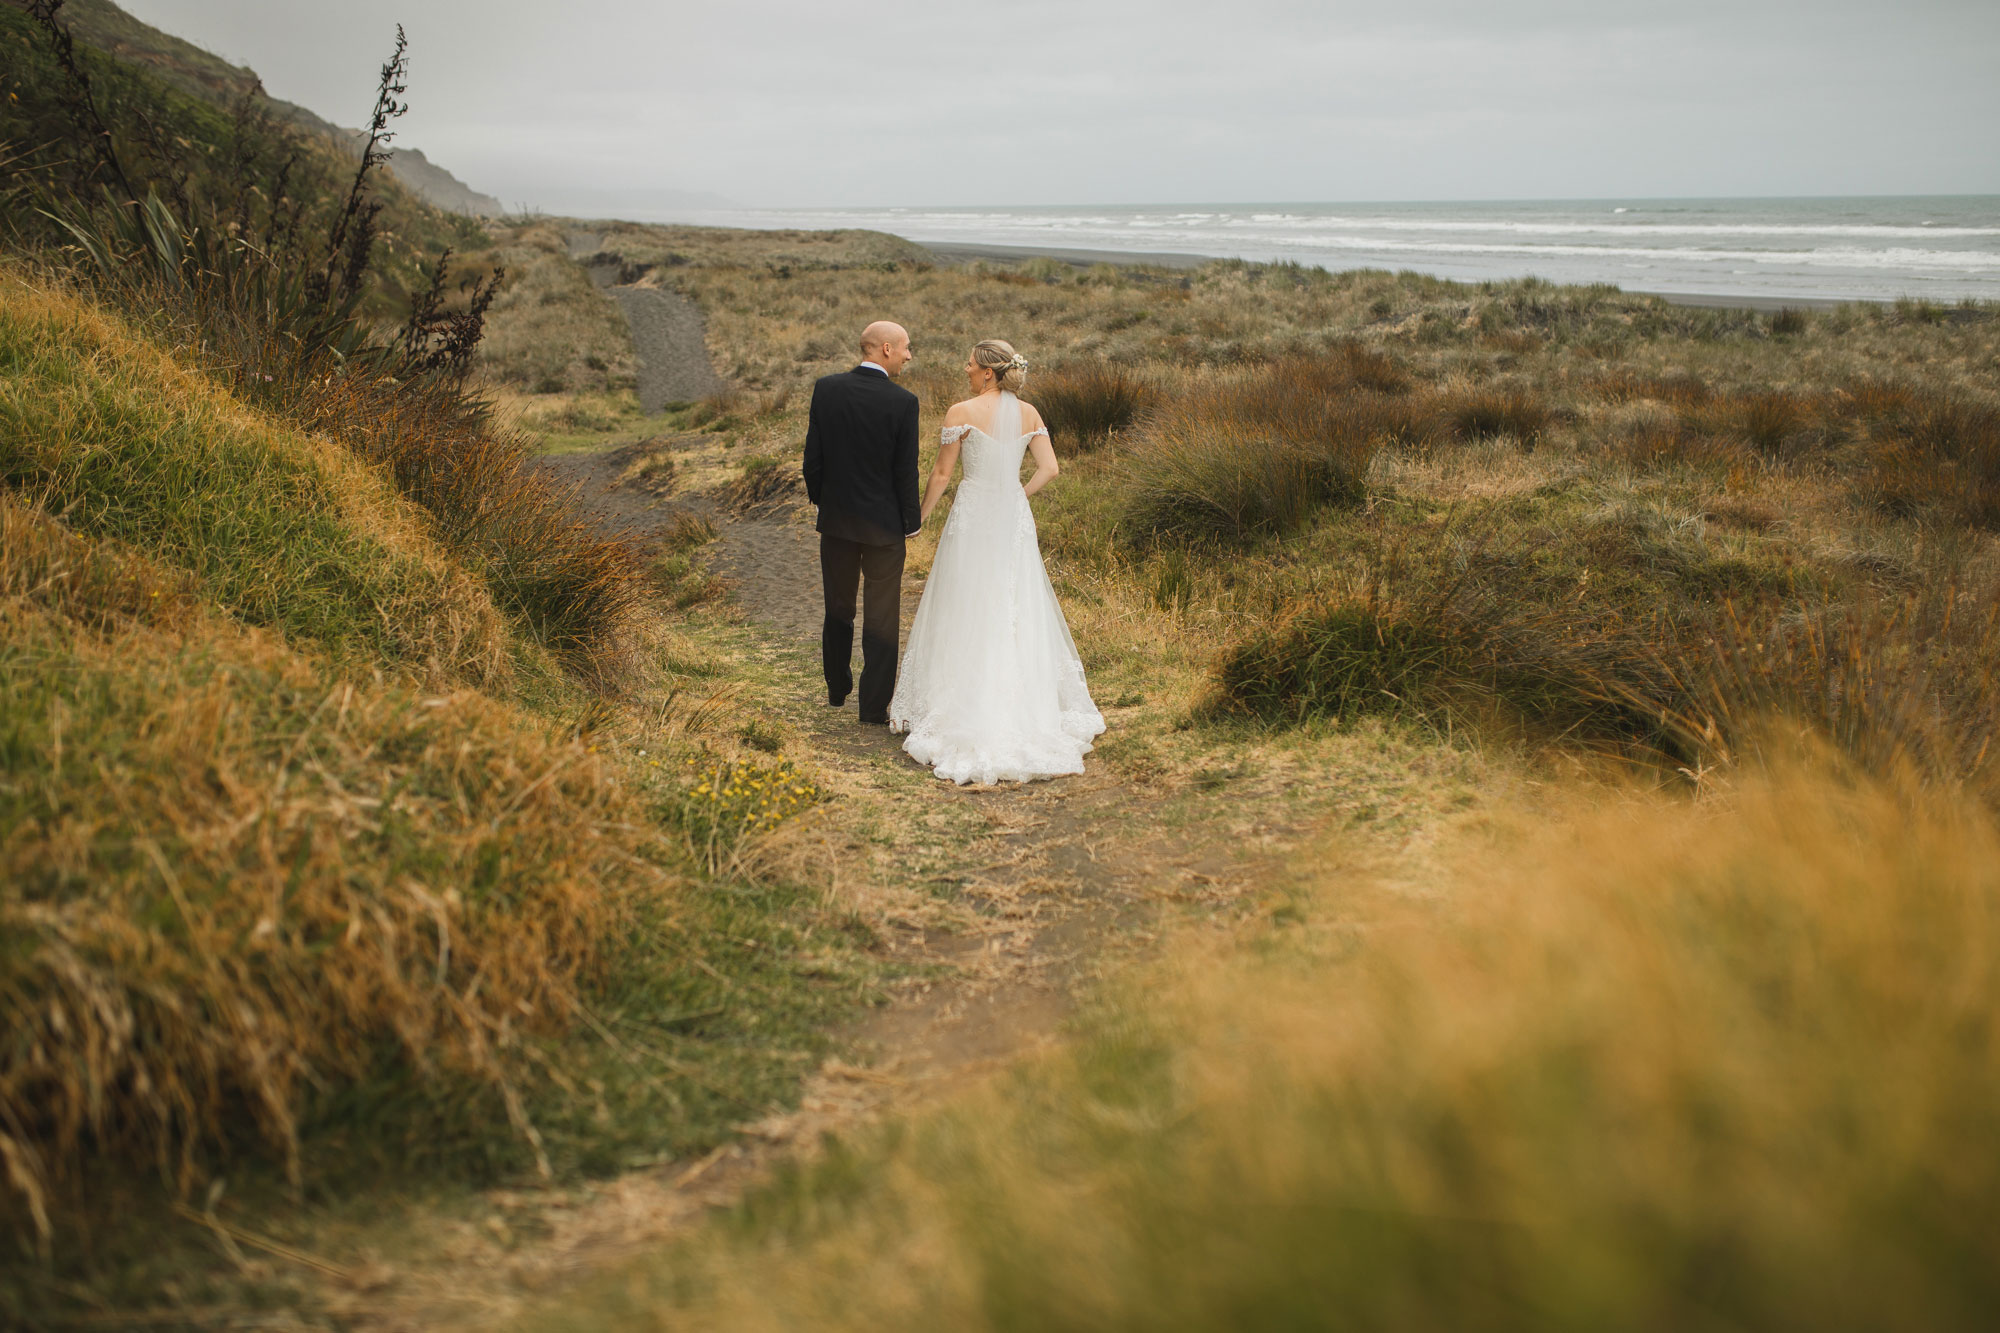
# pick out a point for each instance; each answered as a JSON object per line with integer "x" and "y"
{"x": 1018, "y": 363}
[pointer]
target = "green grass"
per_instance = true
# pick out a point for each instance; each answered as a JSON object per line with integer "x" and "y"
{"x": 109, "y": 433}
{"x": 321, "y": 879}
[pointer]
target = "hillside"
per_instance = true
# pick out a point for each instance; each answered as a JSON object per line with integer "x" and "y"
{"x": 239, "y": 164}
{"x": 202, "y": 75}
{"x": 314, "y": 848}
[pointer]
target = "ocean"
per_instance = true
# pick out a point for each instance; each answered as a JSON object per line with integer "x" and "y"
{"x": 1939, "y": 248}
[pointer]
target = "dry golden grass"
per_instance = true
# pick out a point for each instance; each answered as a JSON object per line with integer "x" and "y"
{"x": 1721, "y": 1066}
{"x": 1085, "y": 405}
{"x": 1594, "y": 1070}
{"x": 287, "y": 529}
{"x": 238, "y": 882}
{"x": 550, "y": 330}
{"x": 1233, "y": 455}
{"x": 267, "y": 851}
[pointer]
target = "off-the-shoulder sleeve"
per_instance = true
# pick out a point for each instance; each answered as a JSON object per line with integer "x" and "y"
{"x": 953, "y": 434}
{"x": 1039, "y": 430}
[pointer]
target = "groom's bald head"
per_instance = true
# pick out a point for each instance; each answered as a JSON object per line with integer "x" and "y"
{"x": 887, "y": 345}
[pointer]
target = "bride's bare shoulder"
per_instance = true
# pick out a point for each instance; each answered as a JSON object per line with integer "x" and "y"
{"x": 959, "y": 413}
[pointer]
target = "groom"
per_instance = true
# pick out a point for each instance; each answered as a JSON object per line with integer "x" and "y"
{"x": 861, "y": 470}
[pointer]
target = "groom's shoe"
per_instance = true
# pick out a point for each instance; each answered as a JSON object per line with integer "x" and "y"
{"x": 836, "y": 700}
{"x": 881, "y": 721}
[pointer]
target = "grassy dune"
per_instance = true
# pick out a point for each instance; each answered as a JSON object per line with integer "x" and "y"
{"x": 198, "y": 599}
{"x": 289, "y": 531}
{"x": 320, "y": 865}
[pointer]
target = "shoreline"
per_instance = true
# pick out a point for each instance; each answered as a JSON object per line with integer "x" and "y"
{"x": 965, "y": 252}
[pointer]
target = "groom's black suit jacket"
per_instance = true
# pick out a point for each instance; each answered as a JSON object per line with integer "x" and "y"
{"x": 861, "y": 457}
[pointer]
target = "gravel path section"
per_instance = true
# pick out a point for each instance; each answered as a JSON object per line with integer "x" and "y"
{"x": 617, "y": 507}
{"x": 668, "y": 331}
{"x": 770, "y": 561}
{"x": 772, "y": 564}
{"x": 671, "y": 339}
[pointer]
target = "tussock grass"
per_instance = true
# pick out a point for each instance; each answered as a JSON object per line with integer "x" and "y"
{"x": 572, "y": 589}
{"x": 1085, "y": 405}
{"x": 1260, "y": 451}
{"x": 1461, "y": 662}
{"x": 1901, "y": 686}
{"x": 1898, "y": 685}
{"x": 1461, "y": 627}
{"x": 1934, "y": 449}
{"x": 1729, "y": 1065}
{"x": 1790, "y": 320}
{"x": 284, "y": 530}
{"x": 248, "y": 881}
{"x": 677, "y": 570}
{"x": 1490, "y": 413}
{"x": 762, "y": 480}
{"x": 1627, "y": 628}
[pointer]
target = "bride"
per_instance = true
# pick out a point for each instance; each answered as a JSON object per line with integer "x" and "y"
{"x": 991, "y": 688}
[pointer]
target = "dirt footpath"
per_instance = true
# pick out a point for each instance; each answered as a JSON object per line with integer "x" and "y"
{"x": 668, "y": 331}
{"x": 1059, "y": 881}
{"x": 1043, "y": 890}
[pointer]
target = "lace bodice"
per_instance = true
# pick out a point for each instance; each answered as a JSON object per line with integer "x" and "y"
{"x": 955, "y": 434}
{"x": 985, "y": 459}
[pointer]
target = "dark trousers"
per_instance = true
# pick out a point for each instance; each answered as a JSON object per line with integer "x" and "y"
{"x": 844, "y": 566}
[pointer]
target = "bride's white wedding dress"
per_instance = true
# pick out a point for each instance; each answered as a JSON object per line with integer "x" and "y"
{"x": 991, "y": 689}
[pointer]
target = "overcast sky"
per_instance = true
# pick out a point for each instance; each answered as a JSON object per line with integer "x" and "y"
{"x": 584, "y": 105}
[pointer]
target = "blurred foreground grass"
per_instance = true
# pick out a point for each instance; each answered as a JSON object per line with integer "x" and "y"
{"x": 1731, "y": 1065}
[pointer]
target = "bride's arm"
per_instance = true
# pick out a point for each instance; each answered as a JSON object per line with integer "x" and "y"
{"x": 1043, "y": 453}
{"x": 947, "y": 459}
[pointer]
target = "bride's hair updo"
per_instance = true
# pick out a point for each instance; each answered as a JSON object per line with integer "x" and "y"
{"x": 1008, "y": 366}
